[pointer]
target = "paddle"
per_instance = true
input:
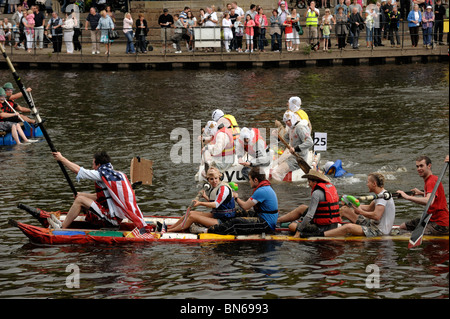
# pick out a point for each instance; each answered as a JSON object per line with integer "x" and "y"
{"x": 417, "y": 234}
{"x": 301, "y": 162}
{"x": 33, "y": 109}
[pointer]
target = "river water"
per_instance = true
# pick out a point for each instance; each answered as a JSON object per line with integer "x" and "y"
{"x": 378, "y": 118}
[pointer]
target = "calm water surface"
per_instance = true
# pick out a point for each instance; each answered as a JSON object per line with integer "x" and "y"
{"x": 377, "y": 119}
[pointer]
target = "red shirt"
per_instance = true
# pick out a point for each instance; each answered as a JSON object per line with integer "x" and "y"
{"x": 288, "y": 28}
{"x": 439, "y": 209}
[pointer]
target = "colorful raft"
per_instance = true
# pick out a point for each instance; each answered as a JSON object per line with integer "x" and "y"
{"x": 29, "y": 130}
{"x": 124, "y": 234}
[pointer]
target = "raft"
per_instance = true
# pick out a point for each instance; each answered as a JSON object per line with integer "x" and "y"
{"x": 234, "y": 173}
{"x": 30, "y": 131}
{"x": 123, "y": 235}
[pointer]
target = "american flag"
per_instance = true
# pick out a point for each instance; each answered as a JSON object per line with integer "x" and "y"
{"x": 142, "y": 233}
{"x": 122, "y": 194}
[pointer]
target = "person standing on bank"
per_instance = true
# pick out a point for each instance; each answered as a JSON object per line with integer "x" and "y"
{"x": 68, "y": 30}
{"x": 439, "y": 221}
{"x": 439, "y": 16}
{"x": 92, "y": 20}
{"x": 39, "y": 23}
{"x": 414, "y": 19}
{"x": 141, "y": 33}
{"x": 128, "y": 31}
{"x": 55, "y": 25}
{"x": 165, "y": 21}
{"x": 105, "y": 25}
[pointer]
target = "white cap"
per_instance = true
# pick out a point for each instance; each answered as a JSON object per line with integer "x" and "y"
{"x": 429, "y": 7}
{"x": 295, "y": 103}
{"x": 211, "y": 128}
{"x": 245, "y": 133}
{"x": 217, "y": 114}
{"x": 289, "y": 115}
{"x": 327, "y": 166}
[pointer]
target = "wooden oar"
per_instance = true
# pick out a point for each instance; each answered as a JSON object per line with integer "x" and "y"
{"x": 33, "y": 109}
{"x": 417, "y": 234}
{"x": 301, "y": 162}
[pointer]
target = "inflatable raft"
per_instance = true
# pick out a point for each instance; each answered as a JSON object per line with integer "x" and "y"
{"x": 29, "y": 130}
{"x": 124, "y": 234}
{"x": 234, "y": 173}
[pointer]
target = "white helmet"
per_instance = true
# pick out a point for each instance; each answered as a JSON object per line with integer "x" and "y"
{"x": 246, "y": 133}
{"x": 211, "y": 128}
{"x": 289, "y": 115}
{"x": 217, "y": 114}
{"x": 295, "y": 103}
{"x": 327, "y": 166}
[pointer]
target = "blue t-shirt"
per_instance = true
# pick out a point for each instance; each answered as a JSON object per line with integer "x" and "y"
{"x": 268, "y": 202}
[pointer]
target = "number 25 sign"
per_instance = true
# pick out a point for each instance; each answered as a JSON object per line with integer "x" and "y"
{"x": 320, "y": 141}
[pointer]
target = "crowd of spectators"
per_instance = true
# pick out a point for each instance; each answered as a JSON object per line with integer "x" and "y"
{"x": 256, "y": 29}
{"x": 249, "y": 30}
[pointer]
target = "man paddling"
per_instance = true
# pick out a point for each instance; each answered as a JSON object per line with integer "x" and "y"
{"x": 113, "y": 201}
{"x": 439, "y": 221}
{"x": 300, "y": 142}
{"x": 323, "y": 211}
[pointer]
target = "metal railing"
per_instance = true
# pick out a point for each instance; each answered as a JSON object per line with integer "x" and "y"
{"x": 200, "y": 39}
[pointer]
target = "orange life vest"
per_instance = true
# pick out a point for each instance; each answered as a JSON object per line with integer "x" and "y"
{"x": 327, "y": 211}
{"x": 229, "y": 148}
{"x": 249, "y": 148}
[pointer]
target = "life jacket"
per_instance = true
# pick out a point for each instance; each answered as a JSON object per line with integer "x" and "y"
{"x": 229, "y": 148}
{"x": 250, "y": 147}
{"x": 235, "y": 130}
{"x": 302, "y": 114}
{"x": 327, "y": 211}
{"x": 228, "y": 207}
{"x": 311, "y": 19}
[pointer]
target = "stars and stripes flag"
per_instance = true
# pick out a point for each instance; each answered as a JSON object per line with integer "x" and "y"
{"x": 122, "y": 194}
{"x": 142, "y": 233}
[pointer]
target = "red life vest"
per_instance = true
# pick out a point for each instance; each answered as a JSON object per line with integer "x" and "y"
{"x": 249, "y": 148}
{"x": 327, "y": 211}
{"x": 229, "y": 148}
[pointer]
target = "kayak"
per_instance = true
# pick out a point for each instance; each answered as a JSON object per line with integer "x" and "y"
{"x": 234, "y": 173}
{"x": 124, "y": 233}
{"x": 30, "y": 131}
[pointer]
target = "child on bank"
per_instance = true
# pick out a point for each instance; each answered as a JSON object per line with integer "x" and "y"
{"x": 249, "y": 32}
{"x": 289, "y": 33}
{"x": 239, "y": 33}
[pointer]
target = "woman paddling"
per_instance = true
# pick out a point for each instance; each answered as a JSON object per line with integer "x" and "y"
{"x": 219, "y": 198}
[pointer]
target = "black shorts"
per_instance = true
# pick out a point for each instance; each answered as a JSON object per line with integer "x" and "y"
{"x": 241, "y": 226}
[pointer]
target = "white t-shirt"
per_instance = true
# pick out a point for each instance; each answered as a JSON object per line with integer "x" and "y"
{"x": 208, "y": 22}
{"x": 387, "y": 220}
